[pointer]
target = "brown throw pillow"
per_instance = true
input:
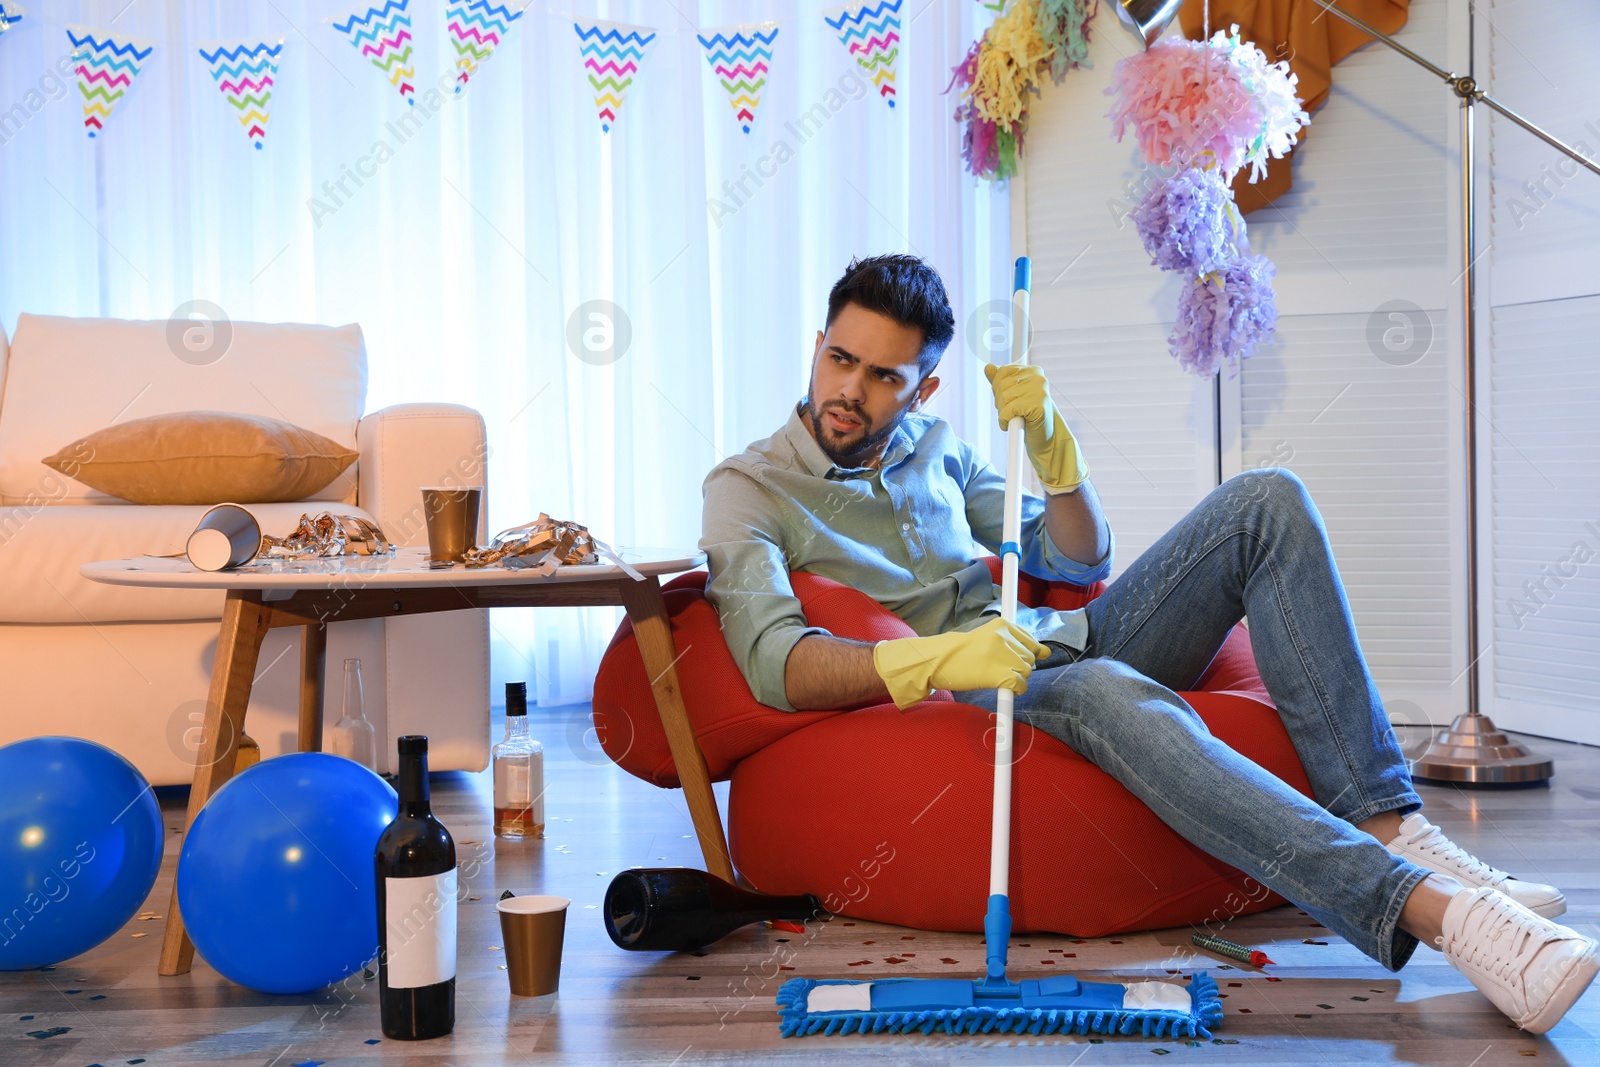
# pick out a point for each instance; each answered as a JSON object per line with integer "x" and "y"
{"x": 204, "y": 457}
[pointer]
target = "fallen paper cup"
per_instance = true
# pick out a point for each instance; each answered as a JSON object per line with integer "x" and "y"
{"x": 228, "y": 536}
{"x": 533, "y": 928}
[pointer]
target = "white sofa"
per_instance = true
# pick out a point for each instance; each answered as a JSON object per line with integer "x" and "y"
{"x": 129, "y": 668}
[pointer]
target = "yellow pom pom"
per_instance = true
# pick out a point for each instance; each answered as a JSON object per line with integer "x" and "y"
{"x": 1011, "y": 63}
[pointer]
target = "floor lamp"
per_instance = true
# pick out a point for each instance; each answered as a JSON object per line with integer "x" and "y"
{"x": 1471, "y": 751}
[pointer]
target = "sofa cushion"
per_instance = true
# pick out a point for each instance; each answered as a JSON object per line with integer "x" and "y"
{"x": 66, "y": 378}
{"x": 41, "y": 549}
{"x": 204, "y": 457}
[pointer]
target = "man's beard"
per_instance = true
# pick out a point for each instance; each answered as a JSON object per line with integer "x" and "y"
{"x": 847, "y": 450}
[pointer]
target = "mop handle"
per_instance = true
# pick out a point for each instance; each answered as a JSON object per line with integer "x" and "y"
{"x": 1010, "y": 554}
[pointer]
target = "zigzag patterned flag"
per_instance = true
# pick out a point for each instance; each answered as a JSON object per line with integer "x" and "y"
{"x": 476, "y": 29}
{"x": 872, "y": 34}
{"x": 384, "y": 35}
{"x": 740, "y": 61}
{"x": 106, "y": 67}
{"x": 10, "y": 15}
{"x": 246, "y": 74}
{"x": 612, "y": 52}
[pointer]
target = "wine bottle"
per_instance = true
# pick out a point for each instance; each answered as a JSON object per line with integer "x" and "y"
{"x": 675, "y": 908}
{"x": 518, "y": 772}
{"x": 416, "y": 862}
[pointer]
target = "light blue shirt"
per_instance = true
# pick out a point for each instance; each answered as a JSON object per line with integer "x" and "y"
{"x": 905, "y": 533}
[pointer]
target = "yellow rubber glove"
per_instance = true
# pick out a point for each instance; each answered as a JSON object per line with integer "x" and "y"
{"x": 1023, "y": 390}
{"x": 996, "y": 655}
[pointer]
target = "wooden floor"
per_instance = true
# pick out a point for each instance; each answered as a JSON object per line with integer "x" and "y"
{"x": 1328, "y": 1005}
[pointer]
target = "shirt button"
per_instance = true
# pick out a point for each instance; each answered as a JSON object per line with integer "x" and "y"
{"x": 905, "y": 526}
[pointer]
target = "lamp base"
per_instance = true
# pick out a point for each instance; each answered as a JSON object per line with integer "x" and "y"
{"x": 1473, "y": 751}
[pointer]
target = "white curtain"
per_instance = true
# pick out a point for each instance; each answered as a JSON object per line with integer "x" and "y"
{"x": 470, "y": 234}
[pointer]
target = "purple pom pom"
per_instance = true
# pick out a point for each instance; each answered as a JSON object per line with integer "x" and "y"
{"x": 1187, "y": 223}
{"x": 1224, "y": 316}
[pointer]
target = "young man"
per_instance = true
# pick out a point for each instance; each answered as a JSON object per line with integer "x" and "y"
{"x": 860, "y": 486}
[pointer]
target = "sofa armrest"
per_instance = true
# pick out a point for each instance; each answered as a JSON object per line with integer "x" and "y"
{"x": 406, "y": 446}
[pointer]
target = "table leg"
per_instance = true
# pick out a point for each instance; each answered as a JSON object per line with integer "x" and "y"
{"x": 313, "y": 671}
{"x": 653, "y": 630}
{"x": 244, "y": 626}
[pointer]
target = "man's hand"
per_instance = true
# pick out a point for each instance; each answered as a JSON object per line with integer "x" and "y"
{"x": 1023, "y": 390}
{"x": 996, "y": 655}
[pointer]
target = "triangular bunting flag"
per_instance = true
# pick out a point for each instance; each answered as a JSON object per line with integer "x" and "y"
{"x": 476, "y": 29}
{"x": 612, "y": 52}
{"x": 740, "y": 57}
{"x": 106, "y": 67}
{"x": 384, "y": 36}
{"x": 246, "y": 74}
{"x": 10, "y": 15}
{"x": 872, "y": 34}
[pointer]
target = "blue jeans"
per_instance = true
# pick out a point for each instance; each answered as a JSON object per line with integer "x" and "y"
{"x": 1254, "y": 546}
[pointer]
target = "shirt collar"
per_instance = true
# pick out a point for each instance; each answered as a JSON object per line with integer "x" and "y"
{"x": 816, "y": 460}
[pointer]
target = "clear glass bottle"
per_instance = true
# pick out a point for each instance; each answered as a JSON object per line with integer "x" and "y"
{"x": 518, "y": 772}
{"x": 353, "y": 736}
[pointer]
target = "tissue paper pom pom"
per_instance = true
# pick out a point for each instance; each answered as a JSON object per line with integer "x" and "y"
{"x": 1187, "y": 100}
{"x": 1063, "y": 25}
{"x": 1008, "y": 66}
{"x": 1224, "y": 316}
{"x": 1184, "y": 101}
{"x": 1188, "y": 223}
{"x": 989, "y": 150}
{"x": 1272, "y": 86}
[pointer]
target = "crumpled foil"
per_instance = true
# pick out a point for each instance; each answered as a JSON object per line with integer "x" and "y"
{"x": 327, "y": 534}
{"x": 544, "y": 545}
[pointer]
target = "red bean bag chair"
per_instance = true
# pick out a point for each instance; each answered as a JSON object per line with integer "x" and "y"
{"x": 884, "y": 814}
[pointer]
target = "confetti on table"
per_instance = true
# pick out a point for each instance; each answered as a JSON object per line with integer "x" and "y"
{"x": 25, "y": 1018}
{"x": 374, "y": 1040}
{"x": 98, "y": 996}
{"x": 1161, "y": 1052}
{"x": 947, "y": 959}
{"x": 1362, "y": 999}
{"x": 309, "y": 1063}
{"x": 140, "y": 934}
{"x": 1308, "y": 941}
{"x": 692, "y": 977}
{"x": 1325, "y": 1007}
{"x": 494, "y": 948}
{"x": 54, "y": 1031}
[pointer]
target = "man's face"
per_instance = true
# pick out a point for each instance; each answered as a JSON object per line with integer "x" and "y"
{"x": 863, "y": 382}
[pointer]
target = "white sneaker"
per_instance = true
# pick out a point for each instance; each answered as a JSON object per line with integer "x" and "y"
{"x": 1424, "y": 844}
{"x": 1531, "y": 968}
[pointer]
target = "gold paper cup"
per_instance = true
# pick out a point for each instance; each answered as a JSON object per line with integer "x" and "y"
{"x": 227, "y": 536}
{"x": 533, "y": 928}
{"x": 452, "y": 515}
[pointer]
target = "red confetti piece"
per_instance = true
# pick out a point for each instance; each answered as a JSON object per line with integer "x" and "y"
{"x": 947, "y": 959}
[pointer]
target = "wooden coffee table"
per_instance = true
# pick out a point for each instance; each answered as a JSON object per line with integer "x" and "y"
{"x": 311, "y": 593}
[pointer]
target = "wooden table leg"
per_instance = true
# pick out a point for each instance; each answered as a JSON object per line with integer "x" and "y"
{"x": 653, "y": 630}
{"x": 244, "y": 627}
{"x": 313, "y": 672}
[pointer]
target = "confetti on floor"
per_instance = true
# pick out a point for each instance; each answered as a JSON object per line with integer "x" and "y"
{"x": 374, "y": 1040}
{"x": 140, "y": 934}
{"x": 1308, "y": 941}
{"x": 54, "y": 1031}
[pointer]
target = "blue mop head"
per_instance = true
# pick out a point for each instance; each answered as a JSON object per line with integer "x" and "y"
{"x": 1059, "y": 1004}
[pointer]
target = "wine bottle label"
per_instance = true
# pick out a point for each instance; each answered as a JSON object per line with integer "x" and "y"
{"x": 421, "y": 929}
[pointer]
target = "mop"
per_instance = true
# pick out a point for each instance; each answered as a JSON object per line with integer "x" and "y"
{"x": 1057, "y": 1004}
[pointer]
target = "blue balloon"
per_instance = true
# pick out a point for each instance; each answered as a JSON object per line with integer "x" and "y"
{"x": 80, "y": 846}
{"x": 276, "y": 880}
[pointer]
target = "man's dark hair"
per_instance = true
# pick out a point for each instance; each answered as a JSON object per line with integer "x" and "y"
{"x": 908, "y": 291}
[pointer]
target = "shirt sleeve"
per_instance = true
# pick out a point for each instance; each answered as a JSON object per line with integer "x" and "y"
{"x": 985, "y": 493}
{"x": 749, "y": 586}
